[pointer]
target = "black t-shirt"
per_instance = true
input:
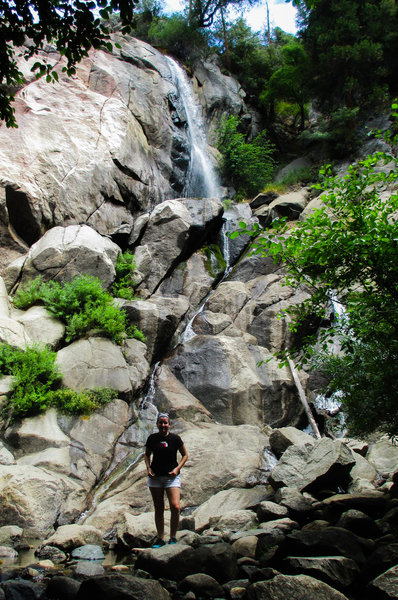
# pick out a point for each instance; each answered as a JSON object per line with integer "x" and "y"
{"x": 164, "y": 450}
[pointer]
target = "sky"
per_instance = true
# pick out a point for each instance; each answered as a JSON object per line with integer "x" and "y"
{"x": 282, "y": 14}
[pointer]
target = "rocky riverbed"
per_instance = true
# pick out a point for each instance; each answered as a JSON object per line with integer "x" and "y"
{"x": 298, "y": 535}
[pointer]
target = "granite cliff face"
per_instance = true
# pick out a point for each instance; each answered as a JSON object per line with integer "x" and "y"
{"x": 97, "y": 165}
{"x": 105, "y": 145}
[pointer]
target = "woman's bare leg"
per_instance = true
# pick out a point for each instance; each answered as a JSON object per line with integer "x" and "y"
{"x": 173, "y": 495}
{"x": 158, "y": 503}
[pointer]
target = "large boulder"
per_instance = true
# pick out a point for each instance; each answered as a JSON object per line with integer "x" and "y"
{"x": 217, "y": 560}
{"x": 158, "y": 319}
{"x": 94, "y": 363}
{"x": 136, "y": 530}
{"x": 337, "y": 571}
{"x": 135, "y": 354}
{"x": 63, "y": 253}
{"x": 112, "y": 586}
{"x": 31, "y": 498}
{"x": 280, "y": 439}
{"x": 223, "y": 373}
{"x": 325, "y": 463}
{"x": 164, "y": 240}
{"x": 41, "y": 326}
{"x": 332, "y": 541}
{"x": 226, "y": 501}
{"x": 383, "y": 455}
{"x": 193, "y": 278}
{"x": 288, "y": 205}
{"x": 386, "y": 584}
{"x": 13, "y": 333}
{"x": 173, "y": 397}
{"x": 112, "y": 155}
{"x": 218, "y": 94}
{"x": 69, "y": 537}
{"x": 33, "y": 434}
{"x": 71, "y": 447}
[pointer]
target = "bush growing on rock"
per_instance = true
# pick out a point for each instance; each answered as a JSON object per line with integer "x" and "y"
{"x": 82, "y": 305}
{"x": 36, "y": 385}
{"x": 124, "y": 283}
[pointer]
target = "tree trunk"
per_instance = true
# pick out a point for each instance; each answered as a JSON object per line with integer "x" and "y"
{"x": 224, "y": 30}
{"x": 303, "y": 398}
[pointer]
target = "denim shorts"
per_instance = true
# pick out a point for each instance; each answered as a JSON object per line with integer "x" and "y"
{"x": 164, "y": 481}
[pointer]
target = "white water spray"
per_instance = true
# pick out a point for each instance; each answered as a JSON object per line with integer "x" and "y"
{"x": 202, "y": 179}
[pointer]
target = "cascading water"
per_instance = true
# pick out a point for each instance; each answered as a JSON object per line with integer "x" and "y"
{"x": 330, "y": 405}
{"x": 202, "y": 182}
{"x": 201, "y": 179}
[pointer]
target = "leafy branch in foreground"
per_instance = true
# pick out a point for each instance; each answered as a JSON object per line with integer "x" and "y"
{"x": 71, "y": 26}
{"x": 348, "y": 249}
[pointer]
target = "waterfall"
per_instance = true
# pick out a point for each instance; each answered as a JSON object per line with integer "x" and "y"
{"x": 201, "y": 179}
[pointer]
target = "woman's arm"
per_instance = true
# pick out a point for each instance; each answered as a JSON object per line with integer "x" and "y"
{"x": 147, "y": 458}
{"x": 184, "y": 458}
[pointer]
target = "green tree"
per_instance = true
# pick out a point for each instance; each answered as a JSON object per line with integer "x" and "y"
{"x": 291, "y": 81}
{"x": 177, "y": 36}
{"x": 251, "y": 60}
{"x": 349, "y": 42}
{"x": 26, "y": 26}
{"x": 247, "y": 165}
{"x": 348, "y": 249}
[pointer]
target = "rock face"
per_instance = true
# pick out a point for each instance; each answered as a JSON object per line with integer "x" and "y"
{"x": 123, "y": 148}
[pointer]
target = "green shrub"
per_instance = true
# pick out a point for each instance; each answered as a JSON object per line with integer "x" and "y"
{"x": 247, "y": 165}
{"x": 36, "y": 385}
{"x": 82, "y": 304}
{"x": 28, "y": 294}
{"x": 123, "y": 286}
{"x": 302, "y": 176}
{"x": 35, "y": 374}
{"x": 83, "y": 402}
{"x": 134, "y": 332}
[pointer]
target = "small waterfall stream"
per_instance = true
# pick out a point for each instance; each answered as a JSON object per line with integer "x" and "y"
{"x": 188, "y": 333}
{"x": 202, "y": 179}
{"x": 129, "y": 449}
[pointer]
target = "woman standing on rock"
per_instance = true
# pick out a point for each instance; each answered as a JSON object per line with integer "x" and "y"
{"x": 164, "y": 475}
